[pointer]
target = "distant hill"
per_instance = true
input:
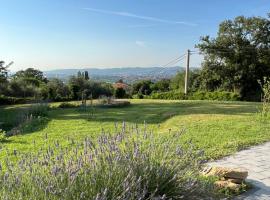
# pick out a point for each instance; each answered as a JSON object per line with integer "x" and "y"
{"x": 128, "y": 74}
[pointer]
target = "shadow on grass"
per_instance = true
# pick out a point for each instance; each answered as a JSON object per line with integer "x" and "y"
{"x": 37, "y": 124}
{"x": 154, "y": 112}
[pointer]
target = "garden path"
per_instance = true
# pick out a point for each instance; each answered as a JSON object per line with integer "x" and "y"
{"x": 256, "y": 161}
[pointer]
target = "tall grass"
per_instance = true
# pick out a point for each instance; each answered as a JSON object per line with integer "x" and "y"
{"x": 128, "y": 164}
{"x": 28, "y": 117}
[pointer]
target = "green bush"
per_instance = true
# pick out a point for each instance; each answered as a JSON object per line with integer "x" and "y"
{"x": 28, "y": 116}
{"x": 67, "y": 105}
{"x": 217, "y": 95}
{"x": 201, "y": 95}
{"x": 172, "y": 95}
{"x": 38, "y": 110}
{"x": 4, "y": 100}
{"x": 138, "y": 96}
{"x": 3, "y": 136}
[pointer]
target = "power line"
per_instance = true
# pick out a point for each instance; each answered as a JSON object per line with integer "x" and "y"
{"x": 174, "y": 60}
{"x": 163, "y": 67}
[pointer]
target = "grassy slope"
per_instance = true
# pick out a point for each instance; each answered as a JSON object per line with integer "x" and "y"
{"x": 217, "y": 127}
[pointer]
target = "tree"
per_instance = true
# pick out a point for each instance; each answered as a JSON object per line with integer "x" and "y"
{"x": 31, "y": 76}
{"x": 178, "y": 81}
{"x": 77, "y": 86}
{"x": 3, "y": 78}
{"x": 120, "y": 93}
{"x": 3, "y": 72}
{"x": 86, "y": 75}
{"x": 79, "y": 74}
{"x": 57, "y": 90}
{"x": 142, "y": 87}
{"x": 238, "y": 57}
{"x": 161, "y": 85}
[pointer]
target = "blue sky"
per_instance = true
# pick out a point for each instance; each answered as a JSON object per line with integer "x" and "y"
{"x": 53, "y": 34}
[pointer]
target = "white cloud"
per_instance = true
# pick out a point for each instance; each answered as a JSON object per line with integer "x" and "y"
{"x": 140, "y": 43}
{"x": 131, "y": 15}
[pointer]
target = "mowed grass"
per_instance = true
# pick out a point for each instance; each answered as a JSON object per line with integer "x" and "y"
{"x": 218, "y": 128}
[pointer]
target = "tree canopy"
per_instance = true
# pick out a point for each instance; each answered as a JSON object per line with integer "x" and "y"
{"x": 238, "y": 57}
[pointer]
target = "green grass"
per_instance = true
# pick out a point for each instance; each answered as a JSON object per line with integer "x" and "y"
{"x": 219, "y": 128}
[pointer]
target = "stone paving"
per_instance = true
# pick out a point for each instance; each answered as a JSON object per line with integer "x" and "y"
{"x": 257, "y": 161}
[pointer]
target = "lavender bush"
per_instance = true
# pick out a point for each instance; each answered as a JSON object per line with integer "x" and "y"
{"x": 128, "y": 164}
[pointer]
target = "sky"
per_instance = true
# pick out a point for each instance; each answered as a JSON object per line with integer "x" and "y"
{"x": 60, "y": 34}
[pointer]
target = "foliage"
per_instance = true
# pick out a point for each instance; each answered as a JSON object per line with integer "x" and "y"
{"x": 138, "y": 96}
{"x": 176, "y": 95}
{"x": 29, "y": 118}
{"x": 31, "y": 76}
{"x": 38, "y": 110}
{"x": 172, "y": 95}
{"x": 120, "y": 93}
{"x": 130, "y": 164}
{"x": 3, "y": 72}
{"x": 3, "y": 137}
{"x": 57, "y": 90}
{"x": 238, "y": 57}
{"x": 161, "y": 85}
{"x": 217, "y": 95}
{"x": 80, "y": 87}
{"x": 4, "y": 100}
{"x": 178, "y": 81}
{"x": 142, "y": 87}
{"x": 67, "y": 105}
{"x": 265, "y": 111}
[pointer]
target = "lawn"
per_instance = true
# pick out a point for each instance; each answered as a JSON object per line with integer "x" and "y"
{"x": 219, "y": 128}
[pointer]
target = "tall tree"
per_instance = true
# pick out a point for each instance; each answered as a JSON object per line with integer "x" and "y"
{"x": 86, "y": 75}
{"x": 3, "y": 71}
{"x": 238, "y": 57}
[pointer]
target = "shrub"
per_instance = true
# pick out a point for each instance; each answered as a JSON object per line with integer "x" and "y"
{"x": 201, "y": 95}
{"x": 115, "y": 104}
{"x": 67, "y": 105}
{"x": 120, "y": 93}
{"x": 4, "y": 100}
{"x": 171, "y": 95}
{"x": 29, "y": 117}
{"x": 138, "y": 96}
{"x": 131, "y": 164}
{"x": 264, "y": 112}
{"x": 3, "y": 137}
{"x": 217, "y": 95}
{"x": 37, "y": 110}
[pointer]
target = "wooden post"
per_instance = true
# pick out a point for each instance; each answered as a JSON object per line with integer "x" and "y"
{"x": 187, "y": 72}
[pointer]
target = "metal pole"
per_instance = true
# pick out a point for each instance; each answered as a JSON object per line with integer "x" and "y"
{"x": 187, "y": 72}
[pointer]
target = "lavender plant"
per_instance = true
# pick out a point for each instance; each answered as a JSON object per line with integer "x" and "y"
{"x": 128, "y": 164}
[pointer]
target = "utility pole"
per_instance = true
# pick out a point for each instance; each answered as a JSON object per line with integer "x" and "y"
{"x": 187, "y": 72}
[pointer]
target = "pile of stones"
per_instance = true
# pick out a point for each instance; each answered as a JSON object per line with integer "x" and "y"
{"x": 229, "y": 178}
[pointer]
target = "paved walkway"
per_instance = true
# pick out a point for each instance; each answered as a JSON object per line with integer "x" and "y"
{"x": 257, "y": 161}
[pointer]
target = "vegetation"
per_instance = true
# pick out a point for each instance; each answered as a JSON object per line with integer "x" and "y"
{"x": 130, "y": 164}
{"x": 238, "y": 57}
{"x": 219, "y": 128}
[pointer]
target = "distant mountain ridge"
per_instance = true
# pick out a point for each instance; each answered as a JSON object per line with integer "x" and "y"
{"x": 128, "y": 74}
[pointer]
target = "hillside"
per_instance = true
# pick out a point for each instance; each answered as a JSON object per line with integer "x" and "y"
{"x": 113, "y": 74}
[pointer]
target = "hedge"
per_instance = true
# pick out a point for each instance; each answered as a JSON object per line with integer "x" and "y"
{"x": 4, "y": 100}
{"x": 217, "y": 95}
